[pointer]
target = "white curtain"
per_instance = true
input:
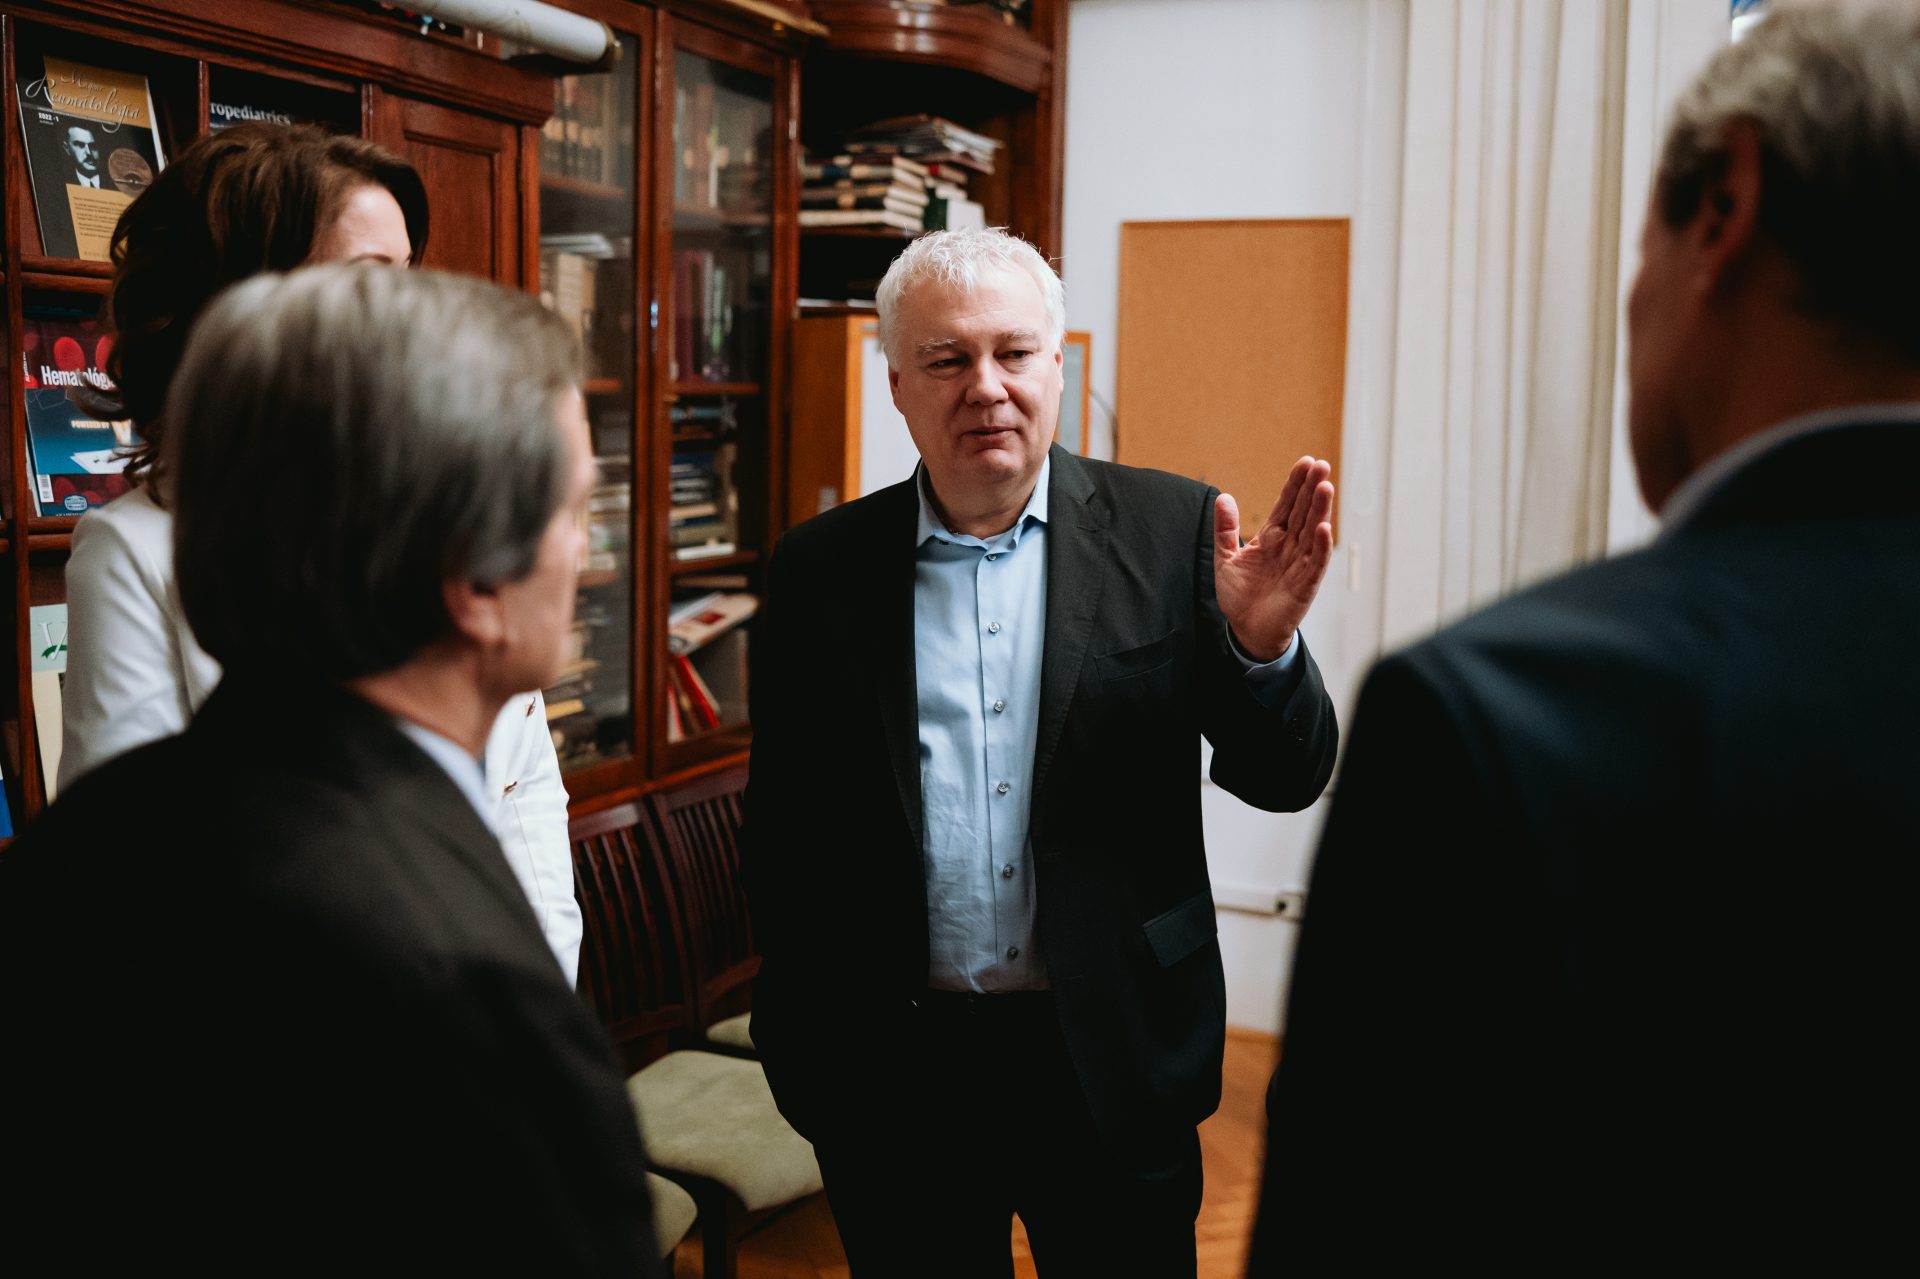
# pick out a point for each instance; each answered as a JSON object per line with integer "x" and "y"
{"x": 1506, "y": 173}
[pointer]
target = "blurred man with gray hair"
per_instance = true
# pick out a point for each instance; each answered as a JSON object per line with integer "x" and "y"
{"x": 1645, "y": 1008}
{"x": 313, "y": 1026}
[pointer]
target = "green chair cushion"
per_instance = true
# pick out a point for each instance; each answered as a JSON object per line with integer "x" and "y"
{"x": 673, "y": 1212}
{"x": 733, "y": 1032}
{"x": 713, "y": 1116}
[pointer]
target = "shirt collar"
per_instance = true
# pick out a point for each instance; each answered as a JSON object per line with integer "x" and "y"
{"x": 929, "y": 525}
{"x": 453, "y": 760}
{"x": 1693, "y": 494}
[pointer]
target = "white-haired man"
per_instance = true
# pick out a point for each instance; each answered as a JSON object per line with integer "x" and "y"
{"x": 991, "y": 980}
{"x": 1645, "y": 1014}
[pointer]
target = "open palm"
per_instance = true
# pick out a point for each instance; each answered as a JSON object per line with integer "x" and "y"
{"x": 1266, "y": 586}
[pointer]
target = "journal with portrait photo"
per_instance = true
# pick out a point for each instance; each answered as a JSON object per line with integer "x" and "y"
{"x": 93, "y": 144}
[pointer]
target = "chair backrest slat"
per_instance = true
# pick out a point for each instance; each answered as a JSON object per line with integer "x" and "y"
{"x": 699, "y": 826}
{"x": 633, "y": 966}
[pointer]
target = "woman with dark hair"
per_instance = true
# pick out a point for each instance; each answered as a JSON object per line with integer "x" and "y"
{"x": 248, "y": 199}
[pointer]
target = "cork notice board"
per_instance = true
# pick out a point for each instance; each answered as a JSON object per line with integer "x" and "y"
{"x": 1232, "y": 352}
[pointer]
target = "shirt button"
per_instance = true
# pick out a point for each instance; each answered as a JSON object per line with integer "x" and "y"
{"x": 993, "y": 555}
{"x": 1003, "y": 788}
{"x": 1013, "y": 952}
{"x": 1006, "y": 872}
{"x": 1000, "y": 704}
{"x": 993, "y": 628}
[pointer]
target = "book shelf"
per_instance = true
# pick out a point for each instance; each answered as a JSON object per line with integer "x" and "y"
{"x": 970, "y": 65}
{"x": 654, "y": 200}
{"x": 460, "y": 114}
{"x": 680, "y": 158}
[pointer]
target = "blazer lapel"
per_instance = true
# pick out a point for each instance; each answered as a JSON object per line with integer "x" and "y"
{"x": 890, "y": 652}
{"x": 434, "y": 809}
{"x": 1076, "y": 571}
{"x": 334, "y": 734}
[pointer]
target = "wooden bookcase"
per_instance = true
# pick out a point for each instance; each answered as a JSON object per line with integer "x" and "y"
{"x": 886, "y": 58}
{"x": 465, "y": 119}
{"x": 683, "y": 157}
{"x": 691, "y": 156}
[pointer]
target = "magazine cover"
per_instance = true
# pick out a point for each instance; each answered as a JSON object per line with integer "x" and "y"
{"x": 47, "y": 636}
{"x": 222, "y": 115}
{"x": 78, "y": 459}
{"x": 92, "y": 145}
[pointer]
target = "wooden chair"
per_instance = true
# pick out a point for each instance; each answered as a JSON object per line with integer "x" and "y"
{"x": 632, "y": 955}
{"x": 700, "y": 832}
{"x": 707, "y": 1120}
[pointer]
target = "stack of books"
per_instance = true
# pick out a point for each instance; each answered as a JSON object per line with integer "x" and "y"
{"x": 948, "y": 208}
{"x": 586, "y": 137}
{"x": 703, "y": 505}
{"x": 926, "y": 137}
{"x": 707, "y": 661}
{"x": 873, "y": 188}
{"x": 609, "y": 516}
{"x": 936, "y": 156}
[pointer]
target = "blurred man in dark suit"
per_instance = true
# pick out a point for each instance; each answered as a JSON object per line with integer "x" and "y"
{"x": 275, "y": 1001}
{"x": 1610, "y": 957}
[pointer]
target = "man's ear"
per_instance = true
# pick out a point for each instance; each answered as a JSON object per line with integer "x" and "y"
{"x": 893, "y": 383}
{"x": 1726, "y": 226}
{"x": 476, "y": 612}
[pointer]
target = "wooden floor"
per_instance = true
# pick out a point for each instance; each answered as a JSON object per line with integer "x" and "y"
{"x": 801, "y": 1244}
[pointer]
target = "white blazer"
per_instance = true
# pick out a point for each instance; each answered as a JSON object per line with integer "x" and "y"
{"x": 136, "y": 674}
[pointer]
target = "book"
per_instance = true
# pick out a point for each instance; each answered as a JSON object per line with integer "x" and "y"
{"x": 722, "y": 666}
{"x": 676, "y": 729}
{"x": 567, "y": 289}
{"x": 925, "y": 138}
{"x": 711, "y": 315}
{"x": 700, "y": 532}
{"x": 92, "y": 145}
{"x": 47, "y": 637}
{"x": 694, "y": 693}
{"x": 947, "y": 171}
{"x": 78, "y": 458}
{"x": 705, "y": 551}
{"x": 861, "y": 217}
{"x": 864, "y": 196}
{"x": 918, "y": 212}
{"x": 711, "y": 582}
{"x": 955, "y": 215}
{"x": 714, "y": 616}
{"x": 878, "y": 164}
{"x": 907, "y": 131}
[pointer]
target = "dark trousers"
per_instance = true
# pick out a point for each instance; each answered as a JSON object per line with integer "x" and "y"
{"x": 992, "y": 1122}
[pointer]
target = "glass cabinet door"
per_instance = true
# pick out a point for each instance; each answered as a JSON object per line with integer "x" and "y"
{"x": 718, "y": 331}
{"x": 588, "y": 216}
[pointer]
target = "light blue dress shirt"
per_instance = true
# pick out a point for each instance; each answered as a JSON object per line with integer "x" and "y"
{"x": 979, "y": 629}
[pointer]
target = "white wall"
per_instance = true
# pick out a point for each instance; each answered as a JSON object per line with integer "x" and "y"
{"x": 1187, "y": 109}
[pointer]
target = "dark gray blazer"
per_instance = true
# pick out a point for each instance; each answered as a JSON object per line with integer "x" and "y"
{"x": 1610, "y": 952}
{"x": 274, "y": 1002}
{"x": 1136, "y": 667}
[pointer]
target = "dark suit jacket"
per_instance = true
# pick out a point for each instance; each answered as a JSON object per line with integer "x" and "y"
{"x": 275, "y": 1002}
{"x": 1610, "y": 949}
{"x": 1136, "y": 666}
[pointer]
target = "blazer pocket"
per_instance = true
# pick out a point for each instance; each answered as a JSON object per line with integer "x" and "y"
{"x": 1177, "y": 933}
{"x": 1144, "y": 660}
